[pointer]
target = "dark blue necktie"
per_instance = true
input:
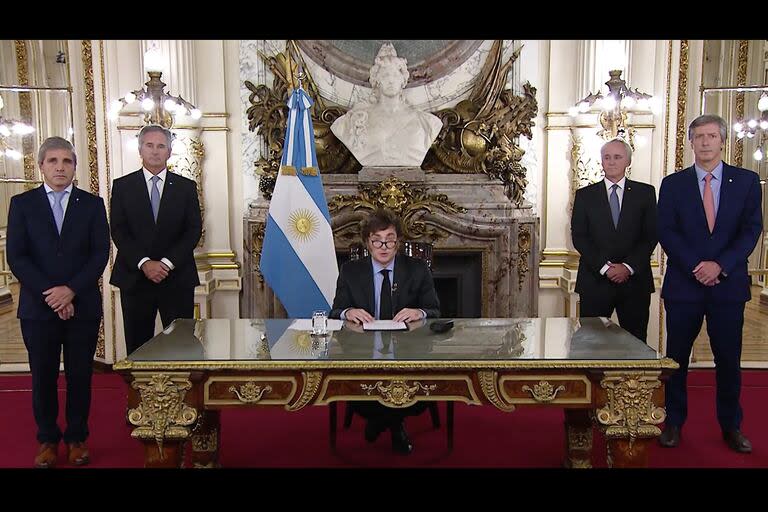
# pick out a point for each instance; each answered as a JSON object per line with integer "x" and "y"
{"x": 614, "y": 202}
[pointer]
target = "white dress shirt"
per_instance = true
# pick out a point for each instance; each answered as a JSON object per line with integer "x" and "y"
{"x": 64, "y": 200}
{"x": 160, "y": 184}
{"x": 619, "y": 192}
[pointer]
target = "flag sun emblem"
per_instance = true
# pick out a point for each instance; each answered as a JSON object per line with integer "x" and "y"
{"x": 303, "y": 225}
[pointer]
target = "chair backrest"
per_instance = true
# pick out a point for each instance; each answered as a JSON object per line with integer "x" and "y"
{"x": 418, "y": 250}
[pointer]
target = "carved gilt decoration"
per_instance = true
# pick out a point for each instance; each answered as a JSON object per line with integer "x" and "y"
{"x": 523, "y": 251}
{"x": 630, "y": 411}
{"x": 489, "y": 383}
{"x": 189, "y": 163}
{"x": 250, "y": 392}
{"x": 162, "y": 413}
{"x": 408, "y": 202}
{"x": 398, "y": 392}
{"x": 312, "y": 382}
{"x": 543, "y": 391}
{"x": 479, "y": 135}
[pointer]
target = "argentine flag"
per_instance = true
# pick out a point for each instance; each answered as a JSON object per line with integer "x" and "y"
{"x": 298, "y": 259}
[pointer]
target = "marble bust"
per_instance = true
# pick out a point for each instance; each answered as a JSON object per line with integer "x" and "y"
{"x": 387, "y": 131}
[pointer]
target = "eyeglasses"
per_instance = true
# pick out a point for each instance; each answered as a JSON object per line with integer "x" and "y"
{"x": 389, "y": 244}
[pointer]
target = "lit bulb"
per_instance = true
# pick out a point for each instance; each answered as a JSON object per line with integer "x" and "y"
{"x": 751, "y": 123}
{"x": 22, "y": 129}
{"x": 13, "y": 154}
{"x": 170, "y": 105}
{"x": 147, "y": 104}
{"x": 740, "y": 134}
{"x": 750, "y": 135}
{"x": 609, "y": 102}
{"x": 627, "y": 102}
{"x": 153, "y": 60}
{"x": 130, "y": 97}
{"x": 758, "y": 154}
{"x": 762, "y": 104}
{"x": 764, "y": 125}
{"x": 738, "y": 127}
{"x": 196, "y": 113}
{"x": 583, "y": 106}
{"x": 4, "y": 131}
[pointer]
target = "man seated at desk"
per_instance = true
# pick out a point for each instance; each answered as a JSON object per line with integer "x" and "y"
{"x": 364, "y": 292}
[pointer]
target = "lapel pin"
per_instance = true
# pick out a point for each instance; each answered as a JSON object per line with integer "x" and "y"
{"x": 730, "y": 180}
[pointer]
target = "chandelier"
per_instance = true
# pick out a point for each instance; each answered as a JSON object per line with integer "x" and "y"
{"x": 615, "y": 105}
{"x": 10, "y": 127}
{"x": 158, "y": 106}
{"x": 755, "y": 127}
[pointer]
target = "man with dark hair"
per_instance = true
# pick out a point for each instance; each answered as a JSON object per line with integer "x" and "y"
{"x": 365, "y": 292}
{"x": 613, "y": 227}
{"x": 156, "y": 224}
{"x": 58, "y": 246}
{"x": 709, "y": 223}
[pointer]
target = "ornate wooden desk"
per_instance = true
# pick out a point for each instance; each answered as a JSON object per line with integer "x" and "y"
{"x": 598, "y": 373}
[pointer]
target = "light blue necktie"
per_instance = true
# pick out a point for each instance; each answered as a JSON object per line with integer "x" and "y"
{"x": 154, "y": 197}
{"x": 58, "y": 210}
{"x": 614, "y": 202}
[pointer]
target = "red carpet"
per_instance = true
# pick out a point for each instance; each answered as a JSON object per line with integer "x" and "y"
{"x": 484, "y": 436}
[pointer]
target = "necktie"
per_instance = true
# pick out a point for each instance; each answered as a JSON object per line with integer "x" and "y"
{"x": 385, "y": 301}
{"x": 709, "y": 202}
{"x": 154, "y": 197}
{"x": 58, "y": 210}
{"x": 614, "y": 202}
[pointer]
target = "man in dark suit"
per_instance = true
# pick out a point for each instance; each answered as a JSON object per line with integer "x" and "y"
{"x": 364, "y": 292}
{"x": 709, "y": 222}
{"x": 57, "y": 247}
{"x": 613, "y": 227}
{"x": 156, "y": 224}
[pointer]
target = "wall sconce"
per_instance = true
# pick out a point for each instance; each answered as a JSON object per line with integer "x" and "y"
{"x": 158, "y": 106}
{"x": 615, "y": 105}
{"x": 10, "y": 127}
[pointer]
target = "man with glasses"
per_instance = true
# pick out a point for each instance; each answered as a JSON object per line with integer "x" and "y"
{"x": 384, "y": 286}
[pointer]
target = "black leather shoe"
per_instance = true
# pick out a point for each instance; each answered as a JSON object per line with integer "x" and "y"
{"x": 670, "y": 438}
{"x": 401, "y": 443}
{"x": 737, "y": 441}
{"x": 373, "y": 429}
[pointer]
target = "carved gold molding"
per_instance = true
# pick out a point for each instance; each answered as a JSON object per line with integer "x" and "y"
{"x": 583, "y": 172}
{"x": 579, "y": 438}
{"x": 250, "y": 389}
{"x": 190, "y": 165}
{"x": 405, "y": 200}
{"x": 543, "y": 391}
{"x": 398, "y": 393}
{"x": 250, "y": 392}
{"x": 630, "y": 411}
{"x": 682, "y": 100}
{"x": 523, "y": 251}
{"x": 162, "y": 413}
{"x": 489, "y": 383}
{"x": 741, "y": 80}
{"x": 257, "y": 241}
{"x": 446, "y": 381}
{"x": 312, "y": 382}
{"x": 205, "y": 442}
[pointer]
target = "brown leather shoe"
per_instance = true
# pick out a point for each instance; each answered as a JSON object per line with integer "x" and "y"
{"x": 47, "y": 455}
{"x": 78, "y": 455}
{"x": 737, "y": 441}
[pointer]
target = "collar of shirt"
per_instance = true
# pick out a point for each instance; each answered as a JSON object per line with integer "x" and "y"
{"x": 717, "y": 172}
{"x": 48, "y": 189}
{"x": 378, "y": 267}
{"x": 148, "y": 175}
{"x": 620, "y": 183}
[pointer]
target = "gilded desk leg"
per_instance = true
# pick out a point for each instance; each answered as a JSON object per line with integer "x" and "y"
{"x": 206, "y": 440}
{"x": 578, "y": 439}
{"x": 628, "y": 453}
{"x": 169, "y": 456}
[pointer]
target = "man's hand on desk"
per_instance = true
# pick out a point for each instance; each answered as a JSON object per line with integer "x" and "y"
{"x": 358, "y": 315}
{"x": 408, "y": 315}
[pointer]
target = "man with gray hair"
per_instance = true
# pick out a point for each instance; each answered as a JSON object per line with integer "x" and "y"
{"x": 156, "y": 225}
{"x": 709, "y": 222}
{"x": 613, "y": 226}
{"x": 58, "y": 246}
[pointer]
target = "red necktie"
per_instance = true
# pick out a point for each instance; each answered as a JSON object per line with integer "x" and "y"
{"x": 709, "y": 202}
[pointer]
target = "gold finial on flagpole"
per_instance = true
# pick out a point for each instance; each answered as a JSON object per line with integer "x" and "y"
{"x": 300, "y": 75}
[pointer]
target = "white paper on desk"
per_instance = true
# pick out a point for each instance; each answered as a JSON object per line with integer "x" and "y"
{"x": 385, "y": 325}
{"x": 305, "y": 324}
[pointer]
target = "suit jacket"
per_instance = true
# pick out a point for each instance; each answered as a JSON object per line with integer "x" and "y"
{"x": 41, "y": 258}
{"x": 685, "y": 236}
{"x": 412, "y": 287}
{"x": 632, "y": 241}
{"x": 175, "y": 236}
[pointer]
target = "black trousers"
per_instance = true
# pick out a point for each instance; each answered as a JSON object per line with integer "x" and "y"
{"x": 631, "y": 307}
{"x": 724, "y": 326}
{"x": 141, "y": 304}
{"x": 44, "y": 340}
